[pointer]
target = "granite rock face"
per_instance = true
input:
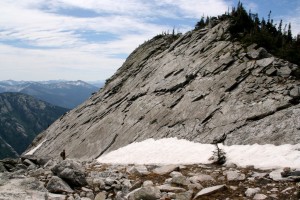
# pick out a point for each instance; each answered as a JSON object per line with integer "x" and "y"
{"x": 197, "y": 86}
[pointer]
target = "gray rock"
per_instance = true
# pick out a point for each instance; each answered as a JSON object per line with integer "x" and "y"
{"x": 276, "y": 175}
{"x": 184, "y": 195}
{"x": 136, "y": 185}
{"x": 147, "y": 183}
{"x": 235, "y": 176}
{"x": 98, "y": 182}
{"x": 295, "y": 92}
{"x": 139, "y": 170}
{"x": 50, "y": 164}
{"x": 32, "y": 183}
{"x": 272, "y": 71}
{"x": 284, "y": 71}
{"x": 251, "y": 47}
{"x": 71, "y": 171}
{"x": 179, "y": 179}
{"x": 57, "y": 185}
{"x": 250, "y": 192}
{"x": 195, "y": 87}
{"x": 77, "y": 197}
{"x": 70, "y": 198}
{"x": 37, "y": 172}
{"x": 149, "y": 193}
{"x": 166, "y": 169}
{"x": 265, "y": 62}
{"x": 32, "y": 167}
{"x": 169, "y": 188}
{"x": 230, "y": 165}
{"x": 90, "y": 195}
{"x": 109, "y": 181}
{"x": 260, "y": 197}
{"x": 201, "y": 178}
{"x": 86, "y": 189}
{"x": 127, "y": 183}
{"x": 2, "y": 168}
{"x": 259, "y": 175}
{"x": 100, "y": 196}
{"x": 28, "y": 162}
{"x": 210, "y": 190}
{"x": 258, "y": 53}
{"x": 286, "y": 190}
{"x": 194, "y": 186}
{"x": 51, "y": 196}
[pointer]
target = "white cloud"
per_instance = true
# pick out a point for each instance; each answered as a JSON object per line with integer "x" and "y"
{"x": 18, "y": 63}
{"x": 57, "y": 40}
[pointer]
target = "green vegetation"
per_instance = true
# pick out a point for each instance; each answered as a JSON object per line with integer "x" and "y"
{"x": 249, "y": 29}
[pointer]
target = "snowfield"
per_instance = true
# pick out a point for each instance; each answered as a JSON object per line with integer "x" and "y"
{"x": 179, "y": 151}
{"x": 31, "y": 152}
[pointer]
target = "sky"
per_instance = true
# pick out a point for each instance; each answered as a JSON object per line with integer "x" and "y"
{"x": 90, "y": 39}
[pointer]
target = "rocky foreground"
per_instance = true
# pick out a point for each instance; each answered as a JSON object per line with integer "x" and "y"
{"x": 52, "y": 179}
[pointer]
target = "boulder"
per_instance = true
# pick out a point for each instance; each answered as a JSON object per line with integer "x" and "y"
{"x": 201, "y": 178}
{"x": 284, "y": 71}
{"x": 235, "y": 176}
{"x": 28, "y": 162}
{"x": 209, "y": 190}
{"x": 10, "y": 164}
{"x": 50, "y": 196}
{"x": 260, "y": 197}
{"x": 184, "y": 195}
{"x": 166, "y": 169}
{"x": 271, "y": 71}
{"x": 2, "y": 168}
{"x": 100, "y": 196}
{"x": 33, "y": 183}
{"x": 295, "y": 92}
{"x": 258, "y": 53}
{"x": 169, "y": 188}
{"x": 277, "y": 176}
{"x": 179, "y": 179}
{"x": 265, "y": 62}
{"x": 250, "y": 192}
{"x": 146, "y": 193}
{"x": 138, "y": 170}
{"x": 57, "y": 185}
{"x": 71, "y": 171}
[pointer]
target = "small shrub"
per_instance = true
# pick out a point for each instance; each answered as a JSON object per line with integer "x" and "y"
{"x": 219, "y": 156}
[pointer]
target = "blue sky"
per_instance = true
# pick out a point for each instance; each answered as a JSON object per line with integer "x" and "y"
{"x": 90, "y": 39}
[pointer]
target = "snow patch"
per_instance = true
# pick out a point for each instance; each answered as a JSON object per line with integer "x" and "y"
{"x": 35, "y": 148}
{"x": 179, "y": 151}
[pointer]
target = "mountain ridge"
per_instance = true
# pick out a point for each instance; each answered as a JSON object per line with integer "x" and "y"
{"x": 68, "y": 94}
{"x": 22, "y": 117}
{"x": 197, "y": 86}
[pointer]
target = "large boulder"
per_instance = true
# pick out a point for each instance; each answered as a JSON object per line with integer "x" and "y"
{"x": 145, "y": 193}
{"x": 2, "y": 168}
{"x": 70, "y": 171}
{"x": 57, "y": 185}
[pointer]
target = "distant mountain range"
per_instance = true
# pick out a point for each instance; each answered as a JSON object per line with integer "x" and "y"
{"x": 67, "y": 94}
{"x": 22, "y": 117}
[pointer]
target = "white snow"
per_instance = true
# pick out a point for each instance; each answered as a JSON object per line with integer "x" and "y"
{"x": 35, "y": 148}
{"x": 179, "y": 151}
